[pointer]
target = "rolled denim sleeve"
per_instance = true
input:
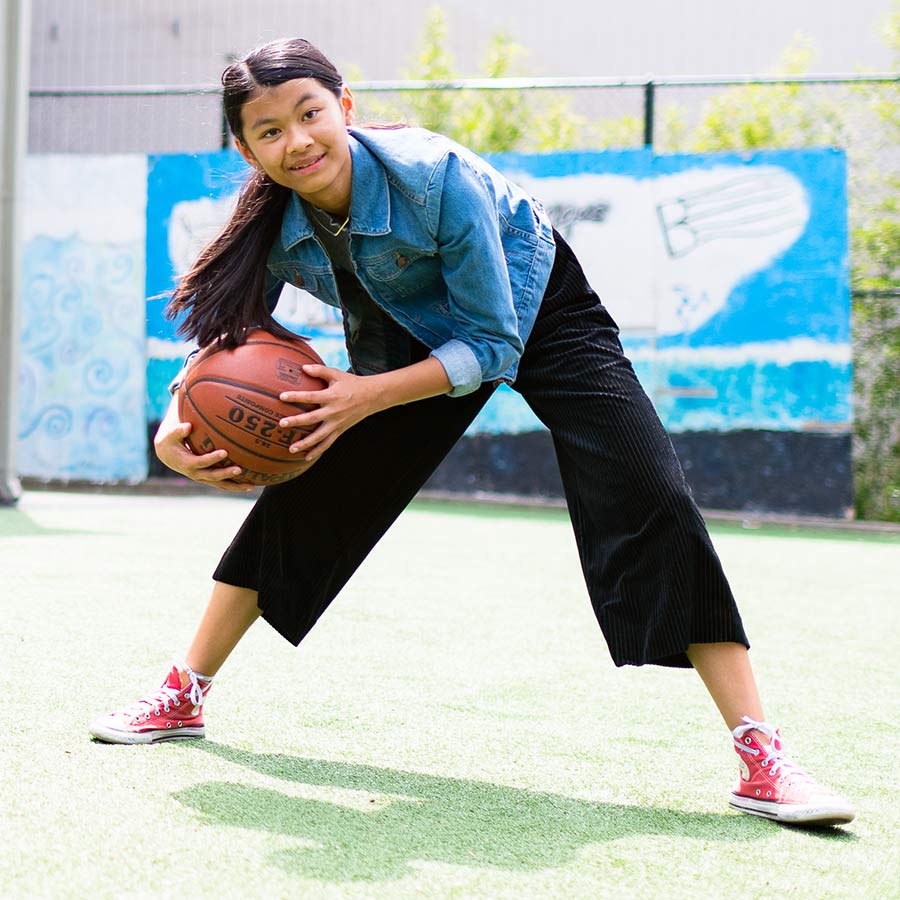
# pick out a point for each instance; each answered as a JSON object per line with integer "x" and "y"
{"x": 461, "y": 365}
{"x": 486, "y": 339}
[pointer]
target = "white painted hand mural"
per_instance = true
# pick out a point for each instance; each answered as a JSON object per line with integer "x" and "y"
{"x": 195, "y": 222}
{"x": 665, "y": 253}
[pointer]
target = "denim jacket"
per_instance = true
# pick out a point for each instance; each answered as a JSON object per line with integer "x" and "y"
{"x": 443, "y": 243}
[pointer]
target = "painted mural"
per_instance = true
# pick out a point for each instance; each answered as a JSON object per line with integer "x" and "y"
{"x": 82, "y": 362}
{"x": 728, "y": 275}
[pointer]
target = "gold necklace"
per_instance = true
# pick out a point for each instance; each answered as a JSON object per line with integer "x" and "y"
{"x": 345, "y": 223}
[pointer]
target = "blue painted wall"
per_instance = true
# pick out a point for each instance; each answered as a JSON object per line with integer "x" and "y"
{"x": 82, "y": 369}
{"x": 754, "y": 332}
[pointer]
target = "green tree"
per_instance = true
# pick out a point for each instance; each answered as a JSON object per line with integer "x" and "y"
{"x": 433, "y": 109}
{"x": 772, "y": 115}
{"x": 492, "y": 120}
{"x": 495, "y": 120}
{"x": 876, "y": 304}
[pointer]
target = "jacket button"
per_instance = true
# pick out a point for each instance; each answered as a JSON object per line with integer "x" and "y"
{"x": 298, "y": 279}
{"x": 402, "y": 262}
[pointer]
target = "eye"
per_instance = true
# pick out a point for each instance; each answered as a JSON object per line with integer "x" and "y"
{"x": 269, "y": 132}
{"x": 310, "y": 114}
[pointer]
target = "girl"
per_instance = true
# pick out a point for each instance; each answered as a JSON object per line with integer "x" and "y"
{"x": 450, "y": 280}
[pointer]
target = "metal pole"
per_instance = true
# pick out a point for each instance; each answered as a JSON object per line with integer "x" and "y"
{"x": 15, "y": 36}
{"x": 223, "y": 118}
{"x": 223, "y": 126}
{"x": 487, "y": 84}
{"x": 649, "y": 112}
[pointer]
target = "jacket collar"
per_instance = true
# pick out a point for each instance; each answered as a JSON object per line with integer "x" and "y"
{"x": 370, "y": 204}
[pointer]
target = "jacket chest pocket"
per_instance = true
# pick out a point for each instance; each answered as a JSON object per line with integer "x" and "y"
{"x": 299, "y": 278}
{"x": 404, "y": 271}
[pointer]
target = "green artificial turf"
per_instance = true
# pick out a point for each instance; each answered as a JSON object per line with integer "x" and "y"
{"x": 452, "y": 728}
{"x": 15, "y": 523}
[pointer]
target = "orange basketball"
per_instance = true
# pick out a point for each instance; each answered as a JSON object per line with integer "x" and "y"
{"x": 230, "y": 397}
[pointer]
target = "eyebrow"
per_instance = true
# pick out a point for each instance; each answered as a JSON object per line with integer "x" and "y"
{"x": 259, "y": 122}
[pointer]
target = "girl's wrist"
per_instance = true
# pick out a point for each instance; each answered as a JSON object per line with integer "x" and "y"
{"x": 416, "y": 382}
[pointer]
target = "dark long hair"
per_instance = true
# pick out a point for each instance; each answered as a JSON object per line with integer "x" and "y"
{"x": 223, "y": 293}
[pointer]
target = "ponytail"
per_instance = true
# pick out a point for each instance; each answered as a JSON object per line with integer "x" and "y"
{"x": 223, "y": 293}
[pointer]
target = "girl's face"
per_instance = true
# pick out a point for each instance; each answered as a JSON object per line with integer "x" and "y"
{"x": 296, "y": 132}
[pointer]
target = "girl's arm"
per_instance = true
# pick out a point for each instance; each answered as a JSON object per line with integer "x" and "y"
{"x": 350, "y": 398}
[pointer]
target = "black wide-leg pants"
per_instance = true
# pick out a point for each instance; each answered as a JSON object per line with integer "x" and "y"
{"x": 654, "y": 579}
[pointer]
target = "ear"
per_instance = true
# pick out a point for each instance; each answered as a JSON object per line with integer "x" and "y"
{"x": 245, "y": 151}
{"x": 348, "y": 105}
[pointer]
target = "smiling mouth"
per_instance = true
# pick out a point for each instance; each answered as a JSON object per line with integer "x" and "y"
{"x": 301, "y": 167}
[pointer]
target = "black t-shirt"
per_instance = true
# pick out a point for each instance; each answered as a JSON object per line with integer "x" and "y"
{"x": 375, "y": 342}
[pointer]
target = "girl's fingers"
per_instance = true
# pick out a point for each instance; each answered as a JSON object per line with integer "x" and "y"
{"x": 326, "y": 373}
{"x": 304, "y": 420}
{"x": 310, "y": 440}
{"x": 208, "y": 460}
{"x": 320, "y": 448}
{"x": 304, "y": 398}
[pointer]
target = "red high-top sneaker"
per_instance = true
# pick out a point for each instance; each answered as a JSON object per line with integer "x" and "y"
{"x": 771, "y": 786}
{"x": 172, "y": 712}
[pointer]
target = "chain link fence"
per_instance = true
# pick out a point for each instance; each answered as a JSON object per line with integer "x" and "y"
{"x": 876, "y": 383}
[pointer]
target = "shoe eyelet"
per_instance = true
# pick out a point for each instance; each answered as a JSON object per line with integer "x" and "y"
{"x": 168, "y": 724}
{"x": 177, "y": 702}
{"x": 758, "y": 792}
{"x": 166, "y": 709}
{"x": 768, "y": 793}
{"x": 748, "y": 740}
{"x": 178, "y": 725}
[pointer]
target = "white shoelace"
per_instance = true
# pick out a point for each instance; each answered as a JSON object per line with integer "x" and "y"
{"x": 165, "y": 698}
{"x": 774, "y": 757}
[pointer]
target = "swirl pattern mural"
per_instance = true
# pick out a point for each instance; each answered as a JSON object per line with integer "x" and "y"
{"x": 82, "y": 353}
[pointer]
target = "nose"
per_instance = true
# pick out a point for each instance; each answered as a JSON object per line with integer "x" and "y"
{"x": 298, "y": 139}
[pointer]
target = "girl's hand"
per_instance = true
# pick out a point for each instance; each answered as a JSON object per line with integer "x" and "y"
{"x": 345, "y": 401}
{"x": 206, "y": 469}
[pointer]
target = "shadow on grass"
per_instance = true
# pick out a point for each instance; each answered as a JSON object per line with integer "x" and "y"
{"x": 401, "y": 817}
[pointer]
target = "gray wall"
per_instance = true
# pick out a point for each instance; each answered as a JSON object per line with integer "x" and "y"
{"x": 81, "y": 42}
{"x": 133, "y": 41}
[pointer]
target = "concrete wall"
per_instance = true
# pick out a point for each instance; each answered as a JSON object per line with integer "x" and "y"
{"x": 98, "y": 42}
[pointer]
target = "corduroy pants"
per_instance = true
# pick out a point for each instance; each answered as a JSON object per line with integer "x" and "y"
{"x": 654, "y": 579}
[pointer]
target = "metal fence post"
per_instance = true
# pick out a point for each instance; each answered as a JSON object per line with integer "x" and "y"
{"x": 224, "y": 125}
{"x": 649, "y": 112}
{"x": 15, "y": 34}
{"x": 226, "y": 130}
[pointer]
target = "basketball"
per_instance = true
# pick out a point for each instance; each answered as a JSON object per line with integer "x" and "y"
{"x": 230, "y": 397}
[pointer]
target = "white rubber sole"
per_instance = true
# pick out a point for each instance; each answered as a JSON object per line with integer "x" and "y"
{"x": 100, "y": 732}
{"x": 838, "y": 812}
